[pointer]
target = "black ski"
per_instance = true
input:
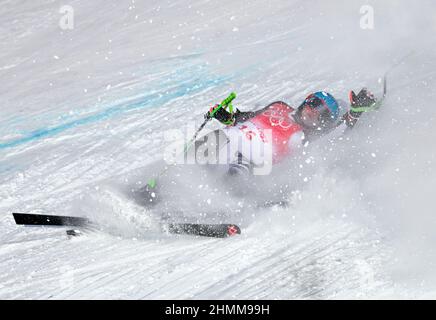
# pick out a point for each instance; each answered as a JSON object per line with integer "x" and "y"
{"x": 47, "y": 220}
{"x": 204, "y": 230}
{"x": 196, "y": 229}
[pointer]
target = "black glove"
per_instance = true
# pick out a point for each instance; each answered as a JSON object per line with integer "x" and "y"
{"x": 222, "y": 115}
{"x": 360, "y": 103}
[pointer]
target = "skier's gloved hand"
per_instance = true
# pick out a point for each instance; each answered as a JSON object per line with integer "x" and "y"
{"x": 364, "y": 101}
{"x": 221, "y": 114}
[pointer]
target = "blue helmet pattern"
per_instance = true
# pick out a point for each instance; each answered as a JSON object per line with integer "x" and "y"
{"x": 330, "y": 102}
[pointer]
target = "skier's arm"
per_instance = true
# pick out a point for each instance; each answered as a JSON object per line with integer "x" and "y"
{"x": 227, "y": 118}
{"x": 363, "y": 102}
{"x": 222, "y": 115}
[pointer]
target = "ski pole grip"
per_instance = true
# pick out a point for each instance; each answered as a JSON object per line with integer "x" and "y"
{"x": 226, "y": 102}
{"x": 229, "y": 99}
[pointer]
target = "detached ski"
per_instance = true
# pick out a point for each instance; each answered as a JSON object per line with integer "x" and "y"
{"x": 204, "y": 230}
{"x": 195, "y": 229}
{"x": 47, "y": 220}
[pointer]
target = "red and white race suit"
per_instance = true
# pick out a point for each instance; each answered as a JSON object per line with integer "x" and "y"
{"x": 266, "y": 138}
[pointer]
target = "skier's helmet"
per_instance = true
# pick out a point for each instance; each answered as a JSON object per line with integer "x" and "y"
{"x": 319, "y": 109}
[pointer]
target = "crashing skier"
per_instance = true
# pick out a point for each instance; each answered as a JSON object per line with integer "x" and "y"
{"x": 279, "y": 126}
{"x": 317, "y": 115}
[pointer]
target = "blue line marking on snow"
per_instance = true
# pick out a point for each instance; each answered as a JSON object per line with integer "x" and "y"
{"x": 147, "y": 101}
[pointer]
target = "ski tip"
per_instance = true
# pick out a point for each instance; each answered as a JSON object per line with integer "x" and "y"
{"x": 16, "y": 215}
{"x": 233, "y": 230}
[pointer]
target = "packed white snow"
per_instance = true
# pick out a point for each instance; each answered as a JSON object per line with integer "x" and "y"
{"x": 89, "y": 90}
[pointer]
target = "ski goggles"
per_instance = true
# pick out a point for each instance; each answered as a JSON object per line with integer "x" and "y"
{"x": 315, "y": 103}
{"x": 312, "y": 110}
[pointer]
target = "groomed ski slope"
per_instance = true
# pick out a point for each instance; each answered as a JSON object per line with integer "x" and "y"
{"x": 84, "y": 110}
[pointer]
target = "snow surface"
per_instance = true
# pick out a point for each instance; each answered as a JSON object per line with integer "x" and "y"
{"x": 83, "y": 115}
